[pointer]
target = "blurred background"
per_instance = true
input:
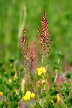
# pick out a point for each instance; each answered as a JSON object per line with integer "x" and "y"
{"x": 15, "y": 14}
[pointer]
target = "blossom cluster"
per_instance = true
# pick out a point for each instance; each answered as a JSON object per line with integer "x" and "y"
{"x": 29, "y": 95}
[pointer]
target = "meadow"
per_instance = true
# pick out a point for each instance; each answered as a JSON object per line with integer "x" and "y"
{"x": 35, "y": 54}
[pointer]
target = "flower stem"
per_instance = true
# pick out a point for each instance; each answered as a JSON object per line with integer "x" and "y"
{"x": 56, "y": 77}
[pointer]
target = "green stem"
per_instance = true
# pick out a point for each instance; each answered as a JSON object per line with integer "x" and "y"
{"x": 56, "y": 77}
{"x": 22, "y": 20}
{"x": 42, "y": 61}
{"x": 23, "y": 85}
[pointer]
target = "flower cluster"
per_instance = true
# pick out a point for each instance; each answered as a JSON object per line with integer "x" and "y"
{"x": 44, "y": 36}
{"x": 23, "y": 43}
{"x": 41, "y": 70}
{"x": 45, "y": 84}
{"x": 29, "y": 52}
{"x": 28, "y": 95}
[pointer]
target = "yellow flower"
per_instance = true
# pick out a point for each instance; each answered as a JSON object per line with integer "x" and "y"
{"x": 52, "y": 101}
{"x": 41, "y": 70}
{"x": 25, "y": 98}
{"x": 27, "y": 95}
{"x": 1, "y": 93}
{"x": 33, "y": 95}
{"x": 58, "y": 98}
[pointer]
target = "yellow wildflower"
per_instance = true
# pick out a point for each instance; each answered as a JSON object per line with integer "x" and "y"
{"x": 33, "y": 95}
{"x": 1, "y": 93}
{"x": 58, "y": 98}
{"x": 52, "y": 101}
{"x": 26, "y": 98}
{"x": 41, "y": 70}
{"x": 27, "y": 95}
